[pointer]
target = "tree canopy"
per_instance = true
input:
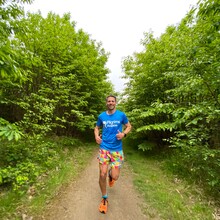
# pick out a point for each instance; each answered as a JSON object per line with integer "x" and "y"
{"x": 54, "y": 77}
{"x": 173, "y": 90}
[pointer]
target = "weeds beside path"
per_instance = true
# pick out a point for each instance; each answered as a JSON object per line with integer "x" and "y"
{"x": 165, "y": 195}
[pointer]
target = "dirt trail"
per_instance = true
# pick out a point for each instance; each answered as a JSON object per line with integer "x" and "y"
{"x": 80, "y": 200}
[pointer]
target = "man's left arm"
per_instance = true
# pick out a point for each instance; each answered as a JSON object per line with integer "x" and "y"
{"x": 123, "y": 134}
{"x": 127, "y": 129}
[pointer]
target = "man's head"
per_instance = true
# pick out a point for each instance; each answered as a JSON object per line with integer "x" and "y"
{"x": 111, "y": 96}
{"x": 111, "y": 102}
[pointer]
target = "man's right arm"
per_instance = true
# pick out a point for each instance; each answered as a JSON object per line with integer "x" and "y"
{"x": 98, "y": 139}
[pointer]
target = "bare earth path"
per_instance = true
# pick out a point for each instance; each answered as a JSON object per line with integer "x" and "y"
{"x": 80, "y": 200}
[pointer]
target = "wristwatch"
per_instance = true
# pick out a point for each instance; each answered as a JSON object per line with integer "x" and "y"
{"x": 124, "y": 134}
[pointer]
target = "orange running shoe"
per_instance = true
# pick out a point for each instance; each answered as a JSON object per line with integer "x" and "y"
{"x": 111, "y": 182}
{"x": 103, "y": 206}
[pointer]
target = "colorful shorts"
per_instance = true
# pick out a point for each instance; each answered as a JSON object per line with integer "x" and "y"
{"x": 114, "y": 158}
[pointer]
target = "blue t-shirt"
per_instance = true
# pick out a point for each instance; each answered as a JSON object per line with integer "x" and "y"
{"x": 110, "y": 125}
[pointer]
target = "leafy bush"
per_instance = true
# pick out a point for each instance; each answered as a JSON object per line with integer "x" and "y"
{"x": 24, "y": 161}
{"x": 9, "y": 131}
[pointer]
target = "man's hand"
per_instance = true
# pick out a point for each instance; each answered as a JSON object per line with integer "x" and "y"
{"x": 120, "y": 135}
{"x": 98, "y": 139}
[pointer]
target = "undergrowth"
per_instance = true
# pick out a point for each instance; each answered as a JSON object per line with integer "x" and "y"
{"x": 166, "y": 194}
{"x": 32, "y": 171}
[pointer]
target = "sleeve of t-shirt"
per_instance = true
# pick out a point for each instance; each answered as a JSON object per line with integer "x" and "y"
{"x": 125, "y": 119}
{"x": 99, "y": 122}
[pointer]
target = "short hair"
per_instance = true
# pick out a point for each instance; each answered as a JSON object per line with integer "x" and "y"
{"x": 111, "y": 96}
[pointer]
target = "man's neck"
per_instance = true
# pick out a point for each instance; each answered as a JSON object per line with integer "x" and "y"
{"x": 110, "y": 112}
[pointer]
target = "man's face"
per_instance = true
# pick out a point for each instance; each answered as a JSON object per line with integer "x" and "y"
{"x": 111, "y": 103}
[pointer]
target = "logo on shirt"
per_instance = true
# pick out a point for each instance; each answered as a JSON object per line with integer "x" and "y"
{"x": 110, "y": 124}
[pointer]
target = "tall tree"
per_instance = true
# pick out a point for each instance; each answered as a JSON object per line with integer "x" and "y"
{"x": 66, "y": 75}
{"x": 10, "y": 72}
{"x": 173, "y": 92}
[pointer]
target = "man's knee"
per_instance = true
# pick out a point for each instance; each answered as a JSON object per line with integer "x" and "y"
{"x": 103, "y": 174}
{"x": 115, "y": 173}
{"x": 115, "y": 176}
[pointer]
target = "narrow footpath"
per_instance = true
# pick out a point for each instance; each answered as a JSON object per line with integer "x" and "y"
{"x": 80, "y": 200}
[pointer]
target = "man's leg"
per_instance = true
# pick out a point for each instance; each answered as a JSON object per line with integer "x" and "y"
{"x": 117, "y": 159}
{"x": 103, "y": 207}
{"x": 103, "y": 172}
{"x": 102, "y": 178}
{"x": 113, "y": 175}
{"x": 115, "y": 172}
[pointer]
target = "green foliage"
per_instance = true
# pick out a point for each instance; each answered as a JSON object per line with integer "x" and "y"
{"x": 36, "y": 169}
{"x": 146, "y": 146}
{"x": 8, "y": 65}
{"x": 23, "y": 162}
{"x": 64, "y": 77}
{"x": 165, "y": 194}
{"x": 200, "y": 165}
{"x": 10, "y": 11}
{"x": 173, "y": 90}
{"x": 9, "y": 131}
{"x": 20, "y": 176}
{"x": 66, "y": 69}
{"x": 38, "y": 116}
{"x": 10, "y": 72}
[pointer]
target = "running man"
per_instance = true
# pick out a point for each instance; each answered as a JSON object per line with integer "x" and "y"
{"x": 114, "y": 126}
